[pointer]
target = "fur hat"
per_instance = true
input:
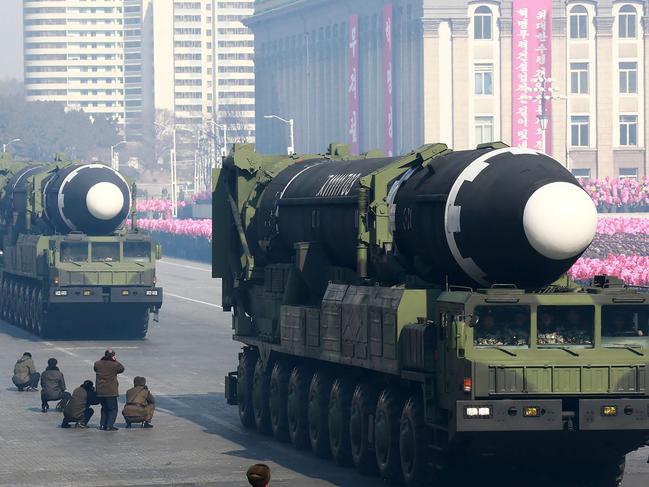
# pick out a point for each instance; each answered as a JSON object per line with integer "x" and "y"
{"x": 52, "y": 362}
{"x": 139, "y": 381}
{"x": 258, "y": 475}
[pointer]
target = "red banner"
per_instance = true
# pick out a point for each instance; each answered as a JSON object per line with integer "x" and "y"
{"x": 532, "y": 64}
{"x": 352, "y": 85}
{"x": 388, "y": 108}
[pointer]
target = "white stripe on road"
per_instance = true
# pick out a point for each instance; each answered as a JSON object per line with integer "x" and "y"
{"x": 204, "y": 269}
{"x": 192, "y": 300}
{"x": 87, "y": 348}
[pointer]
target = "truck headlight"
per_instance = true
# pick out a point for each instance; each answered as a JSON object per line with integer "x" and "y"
{"x": 477, "y": 411}
{"x": 531, "y": 412}
{"x": 125, "y": 293}
{"x": 609, "y": 410}
{"x": 151, "y": 292}
{"x": 60, "y": 292}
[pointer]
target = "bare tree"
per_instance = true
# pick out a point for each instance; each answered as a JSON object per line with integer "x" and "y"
{"x": 240, "y": 126}
{"x": 159, "y": 141}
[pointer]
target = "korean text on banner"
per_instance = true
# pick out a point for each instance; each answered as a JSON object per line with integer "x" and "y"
{"x": 352, "y": 85}
{"x": 388, "y": 107}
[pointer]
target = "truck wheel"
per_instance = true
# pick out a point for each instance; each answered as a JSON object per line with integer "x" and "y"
{"x": 3, "y": 297}
{"x": 318, "y": 409}
{"x": 297, "y": 406}
{"x": 245, "y": 372}
{"x": 413, "y": 443}
{"x": 386, "y": 434}
{"x": 22, "y": 308}
{"x": 31, "y": 303}
{"x": 340, "y": 401}
{"x": 277, "y": 400}
{"x": 361, "y": 419}
{"x": 42, "y": 320}
{"x": 260, "y": 385}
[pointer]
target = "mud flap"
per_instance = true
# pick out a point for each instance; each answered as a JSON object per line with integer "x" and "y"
{"x": 231, "y": 389}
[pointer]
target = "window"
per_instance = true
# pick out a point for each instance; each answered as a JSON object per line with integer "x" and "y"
{"x": 565, "y": 325}
{"x": 628, "y": 173}
{"x": 74, "y": 252}
{"x": 628, "y": 77}
{"x": 623, "y": 323}
{"x": 579, "y": 78}
{"x": 484, "y": 129}
{"x": 482, "y": 23}
{"x": 579, "y": 23}
{"x": 579, "y": 128}
{"x": 582, "y": 173}
{"x": 628, "y": 130}
{"x": 105, "y": 252}
{"x": 484, "y": 79}
{"x": 627, "y": 22}
{"x": 137, "y": 251}
{"x": 502, "y": 326}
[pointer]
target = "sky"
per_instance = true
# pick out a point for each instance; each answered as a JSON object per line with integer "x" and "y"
{"x": 11, "y": 42}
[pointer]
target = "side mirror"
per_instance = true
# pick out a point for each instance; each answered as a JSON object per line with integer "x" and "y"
{"x": 158, "y": 251}
{"x": 49, "y": 254}
{"x": 473, "y": 320}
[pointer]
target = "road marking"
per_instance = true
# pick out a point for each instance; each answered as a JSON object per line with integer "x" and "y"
{"x": 88, "y": 348}
{"x": 203, "y": 269}
{"x": 193, "y": 300}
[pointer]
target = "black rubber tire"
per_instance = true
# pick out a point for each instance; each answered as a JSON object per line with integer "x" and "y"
{"x": 340, "y": 402}
{"x": 362, "y": 410}
{"x": 278, "y": 399}
{"x": 413, "y": 444}
{"x": 44, "y": 323}
{"x": 3, "y": 298}
{"x": 260, "y": 386}
{"x": 318, "y": 412}
{"x": 387, "y": 422}
{"x": 245, "y": 373}
{"x": 297, "y": 406}
{"x": 136, "y": 325}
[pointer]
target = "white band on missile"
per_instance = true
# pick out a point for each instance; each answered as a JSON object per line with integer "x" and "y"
{"x": 452, "y": 211}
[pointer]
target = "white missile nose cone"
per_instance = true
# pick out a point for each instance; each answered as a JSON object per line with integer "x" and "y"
{"x": 560, "y": 220}
{"x": 104, "y": 201}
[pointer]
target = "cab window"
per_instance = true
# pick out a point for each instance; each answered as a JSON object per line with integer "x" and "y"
{"x": 74, "y": 252}
{"x": 565, "y": 325}
{"x": 502, "y": 326}
{"x": 137, "y": 251}
{"x": 625, "y": 321}
{"x": 105, "y": 252}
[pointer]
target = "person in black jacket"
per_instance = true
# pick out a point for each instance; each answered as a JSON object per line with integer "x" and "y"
{"x": 53, "y": 386}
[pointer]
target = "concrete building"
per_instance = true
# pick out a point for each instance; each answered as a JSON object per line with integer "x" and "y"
{"x": 451, "y": 76}
{"x": 203, "y": 66}
{"x": 92, "y": 56}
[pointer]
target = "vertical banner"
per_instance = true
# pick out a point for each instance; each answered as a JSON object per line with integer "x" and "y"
{"x": 531, "y": 62}
{"x": 388, "y": 108}
{"x": 352, "y": 85}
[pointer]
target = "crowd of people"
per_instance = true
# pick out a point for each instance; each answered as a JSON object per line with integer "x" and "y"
{"x": 76, "y": 406}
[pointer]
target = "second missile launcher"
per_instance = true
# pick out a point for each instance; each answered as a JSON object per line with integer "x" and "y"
{"x": 67, "y": 260}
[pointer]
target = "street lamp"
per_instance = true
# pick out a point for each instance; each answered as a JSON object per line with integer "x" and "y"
{"x": 172, "y": 162}
{"x": 544, "y": 92}
{"x": 291, "y": 148}
{"x": 224, "y": 149}
{"x": 115, "y": 163}
{"x": 4, "y": 146}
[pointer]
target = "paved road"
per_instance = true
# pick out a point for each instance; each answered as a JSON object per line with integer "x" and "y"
{"x": 197, "y": 439}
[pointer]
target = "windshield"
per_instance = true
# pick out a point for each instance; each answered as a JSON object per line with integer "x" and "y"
{"x": 105, "y": 252}
{"x": 625, "y": 321}
{"x": 137, "y": 251}
{"x": 502, "y": 326}
{"x": 74, "y": 251}
{"x": 565, "y": 325}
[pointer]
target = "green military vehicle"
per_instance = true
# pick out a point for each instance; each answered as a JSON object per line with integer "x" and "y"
{"x": 67, "y": 262}
{"x": 410, "y": 314}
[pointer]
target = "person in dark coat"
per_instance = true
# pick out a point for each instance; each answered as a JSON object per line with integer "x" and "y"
{"x": 107, "y": 369}
{"x": 140, "y": 404}
{"x": 53, "y": 386}
{"x": 25, "y": 376}
{"x": 78, "y": 409}
{"x": 258, "y": 475}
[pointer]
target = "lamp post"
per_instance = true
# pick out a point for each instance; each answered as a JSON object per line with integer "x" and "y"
{"x": 172, "y": 162}
{"x": 224, "y": 149}
{"x": 4, "y": 146}
{"x": 544, "y": 92}
{"x": 291, "y": 148}
{"x": 113, "y": 162}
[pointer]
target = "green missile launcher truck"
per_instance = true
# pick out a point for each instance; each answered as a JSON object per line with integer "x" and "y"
{"x": 68, "y": 263}
{"x": 411, "y": 314}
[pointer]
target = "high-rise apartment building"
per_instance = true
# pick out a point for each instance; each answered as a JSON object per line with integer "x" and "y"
{"x": 203, "y": 64}
{"x": 90, "y": 56}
